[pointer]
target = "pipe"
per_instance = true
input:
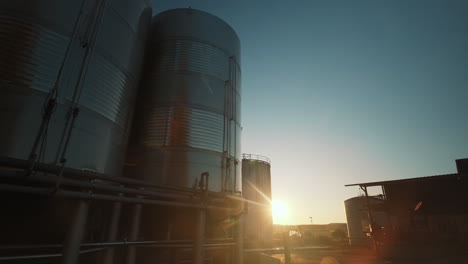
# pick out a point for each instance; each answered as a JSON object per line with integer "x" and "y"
{"x": 199, "y": 243}
{"x": 212, "y": 242}
{"x": 134, "y": 230}
{"x": 95, "y": 186}
{"x": 113, "y": 230}
{"x": 71, "y": 248}
{"x": 94, "y": 196}
{"x": 47, "y": 255}
{"x": 24, "y": 164}
{"x": 239, "y": 249}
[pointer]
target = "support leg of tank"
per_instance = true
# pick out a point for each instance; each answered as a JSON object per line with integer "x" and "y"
{"x": 134, "y": 230}
{"x": 199, "y": 244}
{"x": 71, "y": 249}
{"x": 112, "y": 233}
{"x": 239, "y": 238}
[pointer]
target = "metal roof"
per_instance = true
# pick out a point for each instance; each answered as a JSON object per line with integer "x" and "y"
{"x": 425, "y": 178}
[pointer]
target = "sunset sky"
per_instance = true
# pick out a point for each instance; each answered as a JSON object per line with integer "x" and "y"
{"x": 338, "y": 92}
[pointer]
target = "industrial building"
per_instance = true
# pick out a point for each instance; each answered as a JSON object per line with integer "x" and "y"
{"x": 425, "y": 216}
{"x": 121, "y": 135}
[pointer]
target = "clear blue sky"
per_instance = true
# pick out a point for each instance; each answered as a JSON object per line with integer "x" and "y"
{"x": 338, "y": 92}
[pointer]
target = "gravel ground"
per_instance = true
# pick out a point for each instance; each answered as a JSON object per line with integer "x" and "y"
{"x": 332, "y": 256}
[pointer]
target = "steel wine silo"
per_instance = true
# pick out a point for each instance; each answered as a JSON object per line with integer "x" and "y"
{"x": 358, "y": 219}
{"x": 188, "y": 116}
{"x": 256, "y": 188}
{"x": 85, "y": 56}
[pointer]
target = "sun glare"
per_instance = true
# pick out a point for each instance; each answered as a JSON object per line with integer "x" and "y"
{"x": 280, "y": 211}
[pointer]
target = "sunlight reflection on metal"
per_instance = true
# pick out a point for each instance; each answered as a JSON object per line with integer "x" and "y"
{"x": 249, "y": 201}
{"x": 259, "y": 191}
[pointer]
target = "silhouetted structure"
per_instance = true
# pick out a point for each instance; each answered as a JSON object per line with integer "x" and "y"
{"x": 68, "y": 81}
{"x": 427, "y": 216}
{"x": 256, "y": 188}
{"x": 358, "y": 220}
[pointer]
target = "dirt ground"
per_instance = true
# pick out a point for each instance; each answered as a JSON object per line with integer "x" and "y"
{"x": 332, "y": 256}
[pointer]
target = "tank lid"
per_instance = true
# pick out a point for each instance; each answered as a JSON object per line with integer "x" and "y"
{"x": 255, "y": 157}
{"x": 195, "y": 24}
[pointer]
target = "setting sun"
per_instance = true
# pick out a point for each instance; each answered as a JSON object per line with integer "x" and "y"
{"x": 280, "y": 211}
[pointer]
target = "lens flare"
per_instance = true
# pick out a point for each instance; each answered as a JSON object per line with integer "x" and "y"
{"x": 280, "y": 211}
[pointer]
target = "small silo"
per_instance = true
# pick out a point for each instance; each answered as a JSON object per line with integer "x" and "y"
{"x": 256, "y": 188}
{"x": 87, "y": 56}
{"x": 358, "y": 220}
{"x": 188, "y": 116}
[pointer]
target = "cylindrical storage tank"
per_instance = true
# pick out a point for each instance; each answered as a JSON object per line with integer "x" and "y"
{"x": 358, "y": 220}
{"x": 35, "y": 37}
{"x": 188, "y": 115}
{"x": 256, "y": 188}
{"x": 96, "y": 46}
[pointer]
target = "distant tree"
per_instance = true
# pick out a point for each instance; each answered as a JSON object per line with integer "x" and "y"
{"x": 339, "y": 235}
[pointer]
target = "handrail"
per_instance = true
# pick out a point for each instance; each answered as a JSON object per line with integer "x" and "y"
{"x": 256, "y": 157}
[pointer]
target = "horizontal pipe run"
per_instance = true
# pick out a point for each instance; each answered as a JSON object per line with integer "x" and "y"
{"x": 38, "y": 256}
{"x": 24, "y": 164}
{"x": 48, "y": 168}
{"x": 94, "y": 196}
{"x": 213, "y": 246}
{"x": 281, "y": 249}
{"x": 94, "y": 186}
{"x": 111, "y": 244}
{"x": 117, "y": 243}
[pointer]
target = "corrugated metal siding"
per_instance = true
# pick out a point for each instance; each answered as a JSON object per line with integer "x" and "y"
{"x": 131, "y": 14}
{"x": 186, "y": 55}
{"x": 183, "y": 126}
{"x": 30, "y": 54}
{"x": 108, "y": 90}
{"x": 33, "y": 40}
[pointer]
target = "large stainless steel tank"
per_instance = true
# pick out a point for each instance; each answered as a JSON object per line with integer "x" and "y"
{"x": 256, "y": 187}
{"x": 34, "y": 36}
{"x": 188, "y": 116}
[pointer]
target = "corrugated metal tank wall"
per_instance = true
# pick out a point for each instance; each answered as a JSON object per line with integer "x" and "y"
{"x": 356, "y": 214}
{"x": 358, "y": 220}
{"x": 256, "y": 187}
{"x": 34, "y": 36}
{"x": 188, "y": 116}
{"x": 34, "y": 39}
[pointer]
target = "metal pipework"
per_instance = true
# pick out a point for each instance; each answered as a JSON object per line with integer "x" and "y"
{"x": 71, "y": 249}
{"x": 94, "y": 196}
{"x": 157, "y": 244}
{"x": 134, "y": 230}
{"x": 239, "y": 249}
{"x": 210, "y": 243}
{"x": 43, "y": 167}
{"x": 93, "y": 185}
{"x": 198, "y": 246}
{"x": 113, "y": 230}
{"x": 38, "y": 256}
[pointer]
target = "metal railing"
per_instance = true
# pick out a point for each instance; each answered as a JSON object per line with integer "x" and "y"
{"x": 256, "y": 157}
